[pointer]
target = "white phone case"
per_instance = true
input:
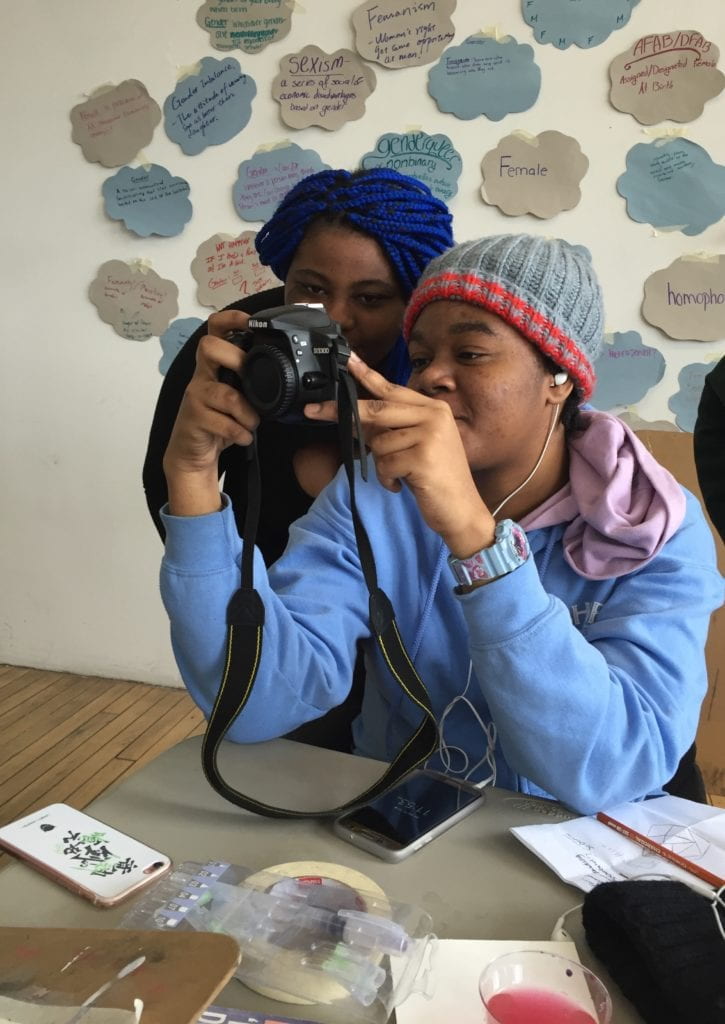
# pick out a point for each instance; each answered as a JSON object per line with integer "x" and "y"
{"x": 83, "y": 854}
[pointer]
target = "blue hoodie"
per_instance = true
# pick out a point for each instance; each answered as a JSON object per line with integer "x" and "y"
{"x": 588, "y": 659}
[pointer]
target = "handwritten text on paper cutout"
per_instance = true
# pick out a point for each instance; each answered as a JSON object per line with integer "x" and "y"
{"x": 539, "y": 175}
{"x": 227, "y": 269}
{"x": 136, "y": 303}
{"x": 323, "y": 89}
{"x": 687, "y": 299}
{"x": 673, "y": 183}
{"x": 148, "y": 200}
{"x": 263, "y": 180}
{"x": 211, "y": 107}
{"x": 626, "y": 370}
{"x": 585, "y": 23}
{"x": 247, "y": 25}
{"x": 113, "y": 126}
{"x": 403, "y": 35}
{"x": 485, "y": 76}
{"x": 669, "y": 76}
{"x": 433, "y": 159}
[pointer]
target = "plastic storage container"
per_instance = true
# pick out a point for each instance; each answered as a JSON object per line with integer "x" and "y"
{"x": 306, "y": 939}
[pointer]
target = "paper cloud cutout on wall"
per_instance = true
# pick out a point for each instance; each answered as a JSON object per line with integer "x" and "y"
{"x": 227, "y": 268}
{"x": 586, "y": 23}
{"x": 684, "y": 402}
{"x": 323, "y": 89}
{"x": 432, "y": 159}
{"x": 263, "y": 180}
{"x": 135, "y": 301}
{"x": 115, "y": 124}
{"x": 211, "y": 107}
{"x": 403, "y": 35}
{"x": 687, "y": 299}
{"x": 174, "y": 338}
{"x": 534, "y": 174}
{"x": 626, "y": 370}
{"x": 673, "y": 184}
{"x": 148, "y": 200}
{"x": 485, "y": 76}
{"x": 249, "y": 25}
{"x": 669, "y": 76}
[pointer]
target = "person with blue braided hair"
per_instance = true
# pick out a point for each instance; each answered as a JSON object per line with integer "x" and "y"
{"x": 357, "y": 242}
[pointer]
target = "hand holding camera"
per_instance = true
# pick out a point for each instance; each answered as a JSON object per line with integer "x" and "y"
{"x": 211, "y": 417}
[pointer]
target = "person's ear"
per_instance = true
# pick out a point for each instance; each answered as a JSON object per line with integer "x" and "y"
{"x": 560, "y": 387}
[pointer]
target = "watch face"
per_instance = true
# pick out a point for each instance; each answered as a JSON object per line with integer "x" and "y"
{"x": 521, "y": 546}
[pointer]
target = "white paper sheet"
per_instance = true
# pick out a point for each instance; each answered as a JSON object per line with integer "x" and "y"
{"x": 457, "y": 967}
{"x": 585, "y": 852}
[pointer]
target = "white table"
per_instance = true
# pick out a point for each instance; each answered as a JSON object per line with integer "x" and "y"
{"x": 476, "y": 881}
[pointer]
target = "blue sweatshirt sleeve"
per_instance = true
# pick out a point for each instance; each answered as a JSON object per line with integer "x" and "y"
{"x": 303, "y": 672}
{"x": 600, "y": 714}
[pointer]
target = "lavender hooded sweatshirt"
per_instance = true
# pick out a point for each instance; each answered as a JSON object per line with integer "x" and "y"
{"x": 588, "y": 659}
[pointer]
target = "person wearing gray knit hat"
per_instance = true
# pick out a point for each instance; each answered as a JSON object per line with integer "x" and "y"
{"x": 553, "y": 581}
{"x": 543, "y": 287}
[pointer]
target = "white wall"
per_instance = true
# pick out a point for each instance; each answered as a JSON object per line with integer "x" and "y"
{"x": 78, "y": 554}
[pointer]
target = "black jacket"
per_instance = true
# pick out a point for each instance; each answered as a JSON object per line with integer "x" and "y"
{"x": 709, "y": 442}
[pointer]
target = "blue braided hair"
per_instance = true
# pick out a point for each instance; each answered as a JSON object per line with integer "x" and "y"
{"x": 410, "y": 224}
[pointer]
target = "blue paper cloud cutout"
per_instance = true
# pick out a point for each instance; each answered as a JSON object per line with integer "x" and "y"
{"x": 586, "y": 24}
{"x": 175, "y": 337}
{"x": 675, "y": 184}
{"x": 209, "y": 108}
{"x": 148, "y": 201}
{"x": 267, "y": 177}
{"x": 684, "y": 402}
{"x": 484, "y": 76}
{"x": 433, "y": 159}
{"x": 626, "y": 370}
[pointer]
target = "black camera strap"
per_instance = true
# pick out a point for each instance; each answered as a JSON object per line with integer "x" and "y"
{"x": 245, "y": 630}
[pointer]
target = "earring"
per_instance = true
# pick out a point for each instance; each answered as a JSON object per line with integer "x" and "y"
{"x": 559, "y": 378}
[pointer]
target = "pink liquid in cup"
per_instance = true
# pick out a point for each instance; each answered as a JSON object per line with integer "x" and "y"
{"x": 535, "y": 1006}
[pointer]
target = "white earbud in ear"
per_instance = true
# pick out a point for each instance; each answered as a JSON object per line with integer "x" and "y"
{"x": 559, "y": 378}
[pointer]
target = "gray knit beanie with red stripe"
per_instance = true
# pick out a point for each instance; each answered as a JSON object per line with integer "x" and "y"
{"x": 543, "y": 287}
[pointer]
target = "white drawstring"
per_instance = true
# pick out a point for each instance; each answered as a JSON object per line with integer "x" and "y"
{"x": 445, "y": 751}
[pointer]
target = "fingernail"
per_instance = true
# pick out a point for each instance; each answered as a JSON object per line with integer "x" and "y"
{"x": 354, "y": 357}
{"x": 312, "y": 408}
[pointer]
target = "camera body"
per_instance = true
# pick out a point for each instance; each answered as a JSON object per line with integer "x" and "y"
{"x": 294, "y": 355}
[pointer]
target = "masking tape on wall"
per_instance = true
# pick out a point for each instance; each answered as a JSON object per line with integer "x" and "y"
{"x": 349, "y": 886}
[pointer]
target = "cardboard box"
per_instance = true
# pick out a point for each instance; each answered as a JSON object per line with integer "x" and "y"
{"x": 674, "y": 450}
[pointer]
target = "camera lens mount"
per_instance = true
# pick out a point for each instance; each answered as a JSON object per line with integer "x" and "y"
{"x": 269, "y": 381}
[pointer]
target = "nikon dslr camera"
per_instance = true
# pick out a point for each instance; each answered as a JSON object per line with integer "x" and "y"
{"x": 294, "y": 355}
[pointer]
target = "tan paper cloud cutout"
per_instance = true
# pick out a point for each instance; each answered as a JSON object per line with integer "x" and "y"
{"x": 115, "y": 124}
{"x": 226, "y": 269}
{"x": 323, "y": 89}
{"x": 135, "y": 301}
{"x": 668, "y": 76}
{"x": 534, "y": 174}
{"x": 247, "y": 25}
{"x": 687, "y": 299}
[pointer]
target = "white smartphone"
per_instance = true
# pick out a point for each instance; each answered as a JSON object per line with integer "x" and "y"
{"x": 83, "y": 854}
{"x": 420, "y": 807}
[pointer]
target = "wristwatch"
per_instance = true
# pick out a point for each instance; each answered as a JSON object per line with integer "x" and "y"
{"x": 509, "y": 550}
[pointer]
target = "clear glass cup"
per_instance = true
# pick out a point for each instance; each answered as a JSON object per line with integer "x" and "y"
{"x": 531, "y": 986}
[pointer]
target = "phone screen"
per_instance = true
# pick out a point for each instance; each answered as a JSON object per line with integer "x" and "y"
{"x": 414, "y": 807}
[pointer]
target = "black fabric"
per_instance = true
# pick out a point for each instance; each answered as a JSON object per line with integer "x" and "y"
{"x": 661, "y": 945}
{"x": 283, "y": 500}
{"x": 709, "y": 446}
{"x": 687, "y": 781}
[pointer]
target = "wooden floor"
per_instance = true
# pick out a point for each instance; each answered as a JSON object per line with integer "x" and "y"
{"x": 66, "y": 738}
